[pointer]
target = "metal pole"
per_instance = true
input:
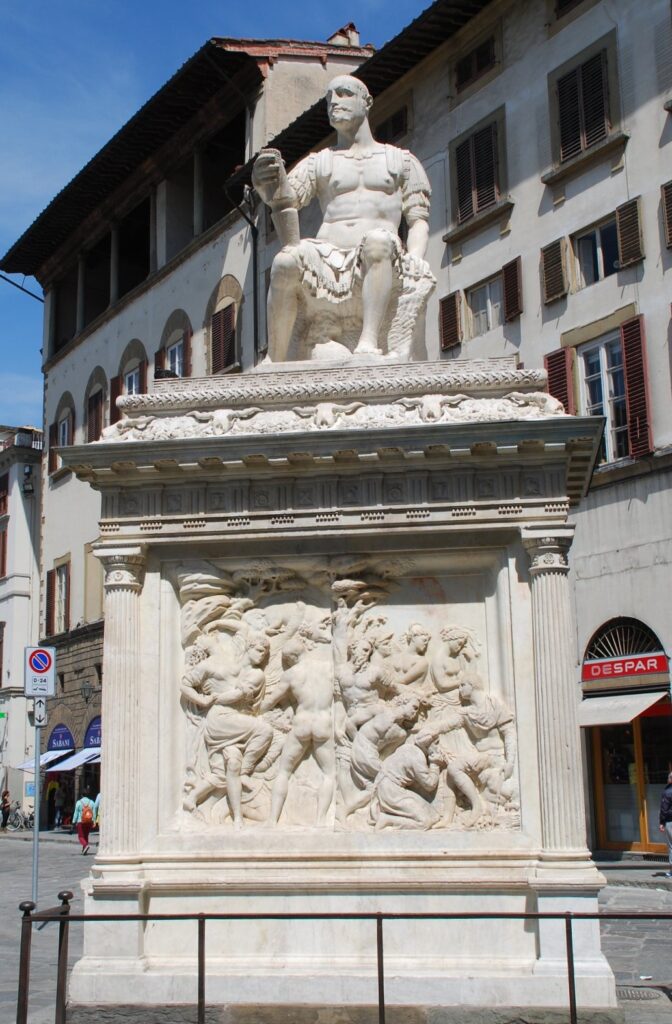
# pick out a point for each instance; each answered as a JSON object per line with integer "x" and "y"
{"x": 571, "y": 981}
{"x": 201, "y": 970}
{"x": 27, "y": 908}
{"x": 36, "y": 820}
{"x": 62, "y": 975}
{"x": 381, "y": 975}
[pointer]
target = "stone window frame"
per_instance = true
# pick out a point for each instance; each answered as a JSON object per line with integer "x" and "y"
{"x": 503, "y": 204}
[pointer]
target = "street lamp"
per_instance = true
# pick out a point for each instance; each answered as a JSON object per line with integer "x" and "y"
{"x": 86, "y": 691}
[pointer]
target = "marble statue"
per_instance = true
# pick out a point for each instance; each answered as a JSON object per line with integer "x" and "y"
{"x": 355, "y": 288}
{"x": 299, "y": 715}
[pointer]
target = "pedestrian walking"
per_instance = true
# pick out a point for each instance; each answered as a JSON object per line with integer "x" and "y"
{"x": 83, "y": 819}
{"x": 59, "y": 804}
{"x": 5, "y": 806}
{"x": 665, "y": 820}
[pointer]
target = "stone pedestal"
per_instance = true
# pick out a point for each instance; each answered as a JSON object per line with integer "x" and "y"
{"x": 344, "y": 684}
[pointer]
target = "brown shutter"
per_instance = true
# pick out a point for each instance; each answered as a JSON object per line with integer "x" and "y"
{"x": 485, "y": 166}
{"x": 143, "y": 376}
{"x": 50, "y": 603}
{"x": 666, "y": 194}
{"x": 568, "y": 115}
{"x": 465, "y": 188}
{"x": 66, "y": 603}
{"x": 52, "y": 458}
{"x": 554, "y": 270}
{"x": 159, "y": 360}
{"x": 450, "y": 320}
{"x": 3, "y": 568}
{"x": 629, "y": 231}
{"x": 186, "y": 353}
{"x": 560, "y": 368}
{"x": 223, "y": 338}
{"x": 636, "y": 387}
{"x": 513, "y": 289}
{"x": 594, "y": 104}
{"x": 115, "y": 391}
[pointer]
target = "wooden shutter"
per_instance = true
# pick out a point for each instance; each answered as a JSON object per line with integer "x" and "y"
{"x": 450, "y": 320}
{"x": 186, "y": 353}
{"x": 476, "y": 172}
{"x": 142, "y": 368}
{"x": 636, "y": 387}
{"x": 52, "y": 458}
{"x": 554, "y": 270}
{"x": 223, "y": 338}
{"x": 50, "y": 603}
{"x": 115, "y": 391}
{"x": 512, "y": 281}
{"x": 3, "y": 566}
{"x": 666, "y": 194}
{"x": 560, "y": 369}
{"x": 159, "y": 360}
{"x": 629, "y": 232}
{"x": 583, "y": 106}
{"x": 66, "y": 601}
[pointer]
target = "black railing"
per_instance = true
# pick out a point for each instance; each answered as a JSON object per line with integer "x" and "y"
{"x": 64, "y": 917}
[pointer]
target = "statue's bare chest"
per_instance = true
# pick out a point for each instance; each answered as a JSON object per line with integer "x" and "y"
{"x": 369, "y": 173}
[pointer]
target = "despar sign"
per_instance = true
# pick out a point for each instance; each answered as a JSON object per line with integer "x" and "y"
{"x": 645, "y": 664}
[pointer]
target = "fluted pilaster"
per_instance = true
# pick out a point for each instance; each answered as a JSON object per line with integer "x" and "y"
{"x": 559, "y": 750}
{"x": 124, "y": 570}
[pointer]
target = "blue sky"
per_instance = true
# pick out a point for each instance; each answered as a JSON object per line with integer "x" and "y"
{"x": 72, "y": 72}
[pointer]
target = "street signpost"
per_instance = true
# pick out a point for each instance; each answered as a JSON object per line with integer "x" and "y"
{"x": 39, "y": 683}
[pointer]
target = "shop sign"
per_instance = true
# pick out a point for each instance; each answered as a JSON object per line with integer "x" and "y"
{"x": 92, "y": 738}
{"x": 60, "y": 739}
{"x": 633, "y": 665}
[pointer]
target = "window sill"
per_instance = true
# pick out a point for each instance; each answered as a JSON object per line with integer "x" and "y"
{"x": 499, "y": 211}
{"x": 615, "y": 143}
{"x": 625, "y": 469}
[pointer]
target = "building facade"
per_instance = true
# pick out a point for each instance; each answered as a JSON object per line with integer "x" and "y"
{"x": 545, "y": 130}
{"x": 20, "y": 484}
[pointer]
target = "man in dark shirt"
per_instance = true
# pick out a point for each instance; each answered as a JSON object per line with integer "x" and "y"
{"x": 665, "y": 819}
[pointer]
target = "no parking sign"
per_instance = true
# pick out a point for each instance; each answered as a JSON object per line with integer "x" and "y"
{"x": 40, "y": 672}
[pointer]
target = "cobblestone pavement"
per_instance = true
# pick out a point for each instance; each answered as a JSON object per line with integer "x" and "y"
{"x": 640, "y": 953}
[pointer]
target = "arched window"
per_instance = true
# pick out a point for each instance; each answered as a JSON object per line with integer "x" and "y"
{"x": 94, "y": 399}
{"x": 173, "y": 357}
{"x": 132, "y": 376}
{"x": 624, "y": 652}
{"x": 222, "y": 325}
{"x": 62, "y": 429}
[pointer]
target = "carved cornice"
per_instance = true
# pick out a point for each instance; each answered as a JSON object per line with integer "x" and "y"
{"x": 300, "y": 382}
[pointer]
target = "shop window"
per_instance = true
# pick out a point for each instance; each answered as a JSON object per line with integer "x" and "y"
{"x": 58, "y": 599}
{"x": 610, "y": 373}
{"x": 476, "y": 63}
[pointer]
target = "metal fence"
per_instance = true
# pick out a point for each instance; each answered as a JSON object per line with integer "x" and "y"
{"x": 64, "y": 918}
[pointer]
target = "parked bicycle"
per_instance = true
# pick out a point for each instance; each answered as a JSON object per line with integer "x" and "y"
{"x": 17, "y": 819}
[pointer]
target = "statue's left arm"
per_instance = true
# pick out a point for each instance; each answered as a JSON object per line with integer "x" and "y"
{"x": 416, "y": 193}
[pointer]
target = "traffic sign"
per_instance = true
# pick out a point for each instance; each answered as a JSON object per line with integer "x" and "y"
{"x": 40, "y": 672}
{"x": 40, "y": 710}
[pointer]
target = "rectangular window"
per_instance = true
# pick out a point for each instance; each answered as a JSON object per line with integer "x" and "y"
{"x": 485, "y": 306}
{"x": 94, "y": 416}
{"x": 132, "y": 382}
{"x": 583, "y": 106}
{"x": 62, "y": 597}
{"x": 175, "y": 358}
{"x": 596, "y": 253}
{"x": 64, "y": 438}
{"x": 477, "y": 172}
{"x": 603, "y": 392}
{"x": 475, "y": 63}
{"x": 4, "y": 493}
{"x": 393, "y": 127}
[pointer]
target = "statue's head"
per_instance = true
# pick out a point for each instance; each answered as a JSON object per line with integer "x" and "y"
{"x": 348, "y": 100}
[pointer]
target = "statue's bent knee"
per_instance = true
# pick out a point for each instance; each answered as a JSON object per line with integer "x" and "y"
{"x": 377, "y": 247}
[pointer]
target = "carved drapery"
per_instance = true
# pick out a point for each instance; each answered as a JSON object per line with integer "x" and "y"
{"x": 124, "y": 571}
{"x": 562, "y": 808}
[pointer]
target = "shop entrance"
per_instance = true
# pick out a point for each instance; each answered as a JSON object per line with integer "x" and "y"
{"x": 631, "y": 762}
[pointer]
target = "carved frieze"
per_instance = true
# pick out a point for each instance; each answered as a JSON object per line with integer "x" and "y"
{"x": 306, "y": 707}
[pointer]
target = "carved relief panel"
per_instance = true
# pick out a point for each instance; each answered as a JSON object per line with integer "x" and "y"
{"x": 349, "y": 695}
